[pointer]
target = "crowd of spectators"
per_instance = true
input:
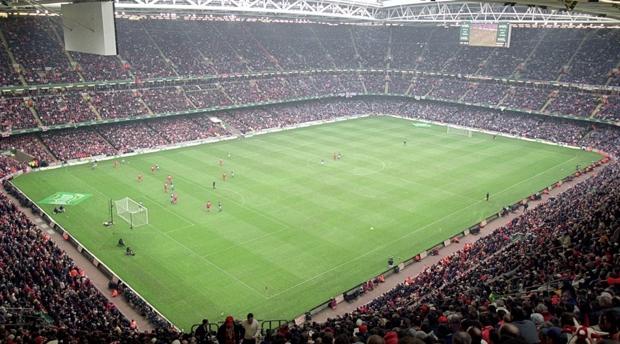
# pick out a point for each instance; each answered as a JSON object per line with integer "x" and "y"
{"x": 140, "y": 53}
{"x": 251, "y": 51}
{"x": 559, "y": 260}
{"x": 572, "y": 103}
{"x": 208, "y": 96}
{"x": 273, "y": 89}
{"x": 14, "y": 114}
{"x": 408, "y": 53}
{"x": 547, "y": 60}
{"x": 8, "y": 165}
{"x": 118, "y": 104}
{"x": 29, "y": 145}
{"x": 307, "y": 53}
{"x": 535, "y": 127}
{"x": 152, "y": 48}
{"x": 184, "y": 54}
{"x": 399, "y": 83}
{"x": 8, "y": 76}
{"x": 610, "y": 108}
{"x": 76, "y": 143}
{"x": 62, "y": 109}
{"x": 217, "y": 48}
{"x": 100, "y": 68}
{"x": 285, "y": 115}
{"x": 595, "y": 58}
{"x": 37, "y": 49}
{"x": 451, "y": 89}
{"x": 374, "y": 83}
{"x": 337, "y": 44}
{"x": 371, "y": 46}
{"x": 58, "y": 107}
{"x": 329, "y": 84}
{"x": 242, "y": 92}
{"x": 485, "y": 93}
{"x": 128, "y": 137}
{"x": 508, "y": 63}
{"x": 39, "y": 279}
{"x": 525, "y": 98}
{"x": 175, "y": 130}
{"x": 439, "y": 45}
{"x": 166, "y": 99}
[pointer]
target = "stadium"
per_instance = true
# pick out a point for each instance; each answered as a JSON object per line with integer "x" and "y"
{"x": 310, "y": 172}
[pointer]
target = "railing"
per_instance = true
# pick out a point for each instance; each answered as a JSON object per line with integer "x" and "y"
{"x": 266, "y": 325}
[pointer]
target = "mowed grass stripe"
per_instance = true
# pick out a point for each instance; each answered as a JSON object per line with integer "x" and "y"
{"x": 294, "y": 232}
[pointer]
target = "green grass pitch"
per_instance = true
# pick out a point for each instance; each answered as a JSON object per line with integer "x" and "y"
{"x": 294, "y": 232}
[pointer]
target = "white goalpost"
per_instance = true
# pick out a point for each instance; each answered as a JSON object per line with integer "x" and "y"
{"x": 459, "y": 131}
{"x": 132, "y": 212}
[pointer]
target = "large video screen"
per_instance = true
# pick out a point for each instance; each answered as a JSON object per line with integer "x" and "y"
{"x": 485, "y": 34}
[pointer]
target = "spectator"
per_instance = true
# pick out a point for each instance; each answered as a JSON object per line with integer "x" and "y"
{"x": 230, "y": 332}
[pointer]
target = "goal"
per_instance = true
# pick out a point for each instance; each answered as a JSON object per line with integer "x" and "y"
{"x": 131, "y": 211}
{"x": 458, "y": 131}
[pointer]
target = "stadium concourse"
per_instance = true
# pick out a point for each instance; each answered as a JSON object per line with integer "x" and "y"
{"x": 524, "y": 282}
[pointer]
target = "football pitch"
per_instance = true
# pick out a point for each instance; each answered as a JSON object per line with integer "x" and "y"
{"x": 294, "y": 231}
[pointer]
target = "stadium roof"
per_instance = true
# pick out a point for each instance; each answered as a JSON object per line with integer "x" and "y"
{"x": 539, "y": 12}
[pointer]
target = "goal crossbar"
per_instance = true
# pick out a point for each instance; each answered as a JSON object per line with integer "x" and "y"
{"x": 459, "y": 131}
{"x": 132, "y": 212}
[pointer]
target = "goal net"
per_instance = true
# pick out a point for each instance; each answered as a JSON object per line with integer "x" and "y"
{"x": 132, "y": 212}
{"x": 458, "y": 131}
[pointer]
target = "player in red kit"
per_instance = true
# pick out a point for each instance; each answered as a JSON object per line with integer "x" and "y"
{"x": 208, "y": 206}
{"x": 140, "y": 178}
{"x": 169, "y": 179}
{"x": 166, "y": 187}
{"x": 224, "y": 176}
{"x": 152, "y": 168}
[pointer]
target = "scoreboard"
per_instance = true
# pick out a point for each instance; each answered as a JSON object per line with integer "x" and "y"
{"x": 485, "y": 34}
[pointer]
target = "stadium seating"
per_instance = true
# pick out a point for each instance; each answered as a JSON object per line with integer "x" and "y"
{"x": 577, "y": 104}
{"x": 37, "y": 50}
{"x": 185, "y": 48}
{"x": 29, "y": 145}
{"x": 76, "y": 144}
{"x": 118, "y": 104}
{"x": 166, "y": 99}
{"x": 62, "y": 109}
{"x": 457, "y": 288}
{"x": 198, "y": 49}
{"x": 38, "y": 278}
{"x": 100, "y": 68}
{"x": 128, "y": 137}
{"x": 549, "y": 264}
{"x": 525, "y": 98}
{"x": 15, "y": 114}
{"x": 610, "y": 108}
